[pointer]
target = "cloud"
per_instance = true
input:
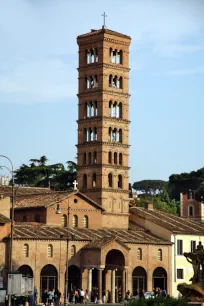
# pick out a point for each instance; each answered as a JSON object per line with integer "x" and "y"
{"x": 39, "y": 80}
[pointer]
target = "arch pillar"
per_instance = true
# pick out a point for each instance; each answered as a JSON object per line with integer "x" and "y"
{"x": 113, "y": 286}
{"x": 149, "y": 280}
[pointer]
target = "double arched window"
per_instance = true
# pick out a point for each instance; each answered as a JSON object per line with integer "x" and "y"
{"x": 115, "y": 81}
{"x": 115, "y": 109}
{"x": 87, "y": 159}
{"x": 85, "y": 222}
{"x": 115, "y": 135}
{"x": 91, "y": 56}
{"x": 118, "y": 158}
{"x": 115, "y": 56}
{"x": 139, "y": 254}
{"x": 26, "y": 250}
{"x": 91, "y": 81}
{"x": 90, "y": 134}
{"x": 159, "y": 255}
{"x": 91, "y": 109}
{"x": 75, "y": 221}
{"x": 50, "y": 251}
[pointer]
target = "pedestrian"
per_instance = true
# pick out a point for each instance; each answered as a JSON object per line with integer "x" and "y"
{"x": 44, "y": 297}
{"x": 82, "y": 293}
{"x": 50, "y": 297}
{"x": 127, "y": 296}
{"x": 103, "y": 296}
{"x": 96, "y": 296}
{"x": 164, "y": 292}
{"x": 86, "y": 297}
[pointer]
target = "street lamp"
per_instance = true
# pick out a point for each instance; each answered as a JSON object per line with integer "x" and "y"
{"x": 58, "y": 211}
{"x": 12, "y": 215}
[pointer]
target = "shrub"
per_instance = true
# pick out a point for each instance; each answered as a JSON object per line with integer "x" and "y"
{"x": 158, "y": 301}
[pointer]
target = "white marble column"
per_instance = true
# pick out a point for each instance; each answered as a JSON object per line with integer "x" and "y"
{"x": 90, "y": 283}
{"x": 113, "y": 286}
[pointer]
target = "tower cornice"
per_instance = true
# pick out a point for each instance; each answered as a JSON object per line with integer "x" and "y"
{"x": 103, "y": 165}
{"x": 103, "y": 65}
{"x": 110, "y": 144}
{"x": 94, "y": 91}
{"x": 118, "y": 190}
{"x": 104, "y": 118}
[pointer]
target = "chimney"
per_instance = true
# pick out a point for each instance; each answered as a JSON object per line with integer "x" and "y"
{"x": 148, "y": 206}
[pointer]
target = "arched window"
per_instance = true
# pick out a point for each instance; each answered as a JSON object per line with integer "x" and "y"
{"x": 64, "y": 220}
{"x": 95, "y": 134}
{"x": 115, "y": 158}
{"x": 139, "y": 254}
{"x": 110, "y": 180}
{"x": 110, "y": 134}
{"x": 94, "y": 180}
{"x": 120, "y": 158}
{"x": 85, "y": 222}
{"x": 114, "y": 135}
{"x": 73, "y": 250}
{"x": 75, "y": 221}
{"x": 95, "y": 157}
{"x": 86, "y": 134}
{"x": 110, "y": 108}
{"x": 120, "y": 82}
{"x": 85, "y": 181}
{"x": 37, "y": 218}
{"x": 159, "y": 256}
{"x": 110, "y": 157}
{"x": 89, "y": 158}
{"x": 110, "y": 80}
{"x": 120, "y": 135}
{"x": 84, "y": 159}
{"x": 120, "y": 182}
{"x": 24, "y": 218}
{"x": 26, "y": 250}
{"x": 50, "y": 250}
{"x": 120, "y": 110}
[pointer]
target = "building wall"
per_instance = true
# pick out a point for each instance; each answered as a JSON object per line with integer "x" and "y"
{"x": 5, "y": 204}
{"x": 30, "y": 214}
{"x": 198, "y": 207}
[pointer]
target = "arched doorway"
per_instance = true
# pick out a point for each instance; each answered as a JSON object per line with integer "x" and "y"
{"x": 160, "y": 278}
{"x": 48, "y": 278}
{"x": 74, "y": 277}
{"x": 139, "y": 280}
{"x": 115, "y": 260}
{"x": 26, "y": 271}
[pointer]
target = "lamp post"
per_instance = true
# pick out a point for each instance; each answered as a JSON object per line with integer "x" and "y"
{"x": 12, "y": 216}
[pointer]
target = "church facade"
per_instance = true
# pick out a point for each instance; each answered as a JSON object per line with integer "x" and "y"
{"x": 108, "y": 248}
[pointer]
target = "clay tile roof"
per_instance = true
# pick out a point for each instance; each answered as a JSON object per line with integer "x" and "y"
{"x": 100, "y": 243}
{"x": 48, "y": 199}
{"x": 4, "y": 219}
{"x": 170, "y": 222}
{"x": 104, "y": 30}
{"x": 42, "y": 231}
{"x": 7, "y": 190}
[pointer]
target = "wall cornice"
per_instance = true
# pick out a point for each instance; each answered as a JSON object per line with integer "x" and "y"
{"x": 96, "y": 143}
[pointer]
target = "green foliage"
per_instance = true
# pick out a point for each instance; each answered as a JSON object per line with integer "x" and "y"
{"x": 158, "y": 301}
{"x": 40, "y": 174}
{"x": 151, "y": 187}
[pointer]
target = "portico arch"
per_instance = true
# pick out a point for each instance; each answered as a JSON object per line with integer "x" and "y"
{"x": 48, "y": 278}
{"x": 74, "y": 277}
{"x": 26, "y": 271}
{"x": 139, "y": 280}
{"x": 160, "y": 278}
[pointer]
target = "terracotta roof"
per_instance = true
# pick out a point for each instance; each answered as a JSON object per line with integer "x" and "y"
{"x": 42, "y": 231}
{"x": 170, "y": 222}
{"x": 100, "y": 243}
{"x": 7, "y": 190}
{"x": 104, "y": 30}
{"x": 48, "y": 199}
{"x": 4, "y": 219}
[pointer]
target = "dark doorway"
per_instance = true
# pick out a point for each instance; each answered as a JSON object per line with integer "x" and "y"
{"x": 139, "y": 280}
{"x": 74, "y": 278}
{"x": 48, "y": 278}
{"x": 26, "y": 271}
{"x": 160, "y": 278}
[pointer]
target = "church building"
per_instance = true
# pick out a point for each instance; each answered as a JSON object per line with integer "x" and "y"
{"x": 110, "y": 246}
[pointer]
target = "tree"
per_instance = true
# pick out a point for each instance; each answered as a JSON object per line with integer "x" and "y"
{"x": 151, "y": 187}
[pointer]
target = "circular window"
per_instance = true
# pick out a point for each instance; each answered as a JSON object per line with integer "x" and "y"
{"x": 75, "y": 200}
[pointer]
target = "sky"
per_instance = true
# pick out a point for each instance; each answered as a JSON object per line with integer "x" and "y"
{"x": 39, "y": 82}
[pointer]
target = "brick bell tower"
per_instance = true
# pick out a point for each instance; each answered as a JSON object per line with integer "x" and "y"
{"x": 103, "y": 122}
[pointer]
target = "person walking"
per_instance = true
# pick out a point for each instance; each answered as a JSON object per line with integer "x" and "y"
{"x": 104, "y": 296}
{"x": 82, "y": 293}
{"x": 86, "y": 299}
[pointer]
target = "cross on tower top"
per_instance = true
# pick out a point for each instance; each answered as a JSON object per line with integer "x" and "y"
{"x": 104, "y": 19}
{"x": 75, "y": 184}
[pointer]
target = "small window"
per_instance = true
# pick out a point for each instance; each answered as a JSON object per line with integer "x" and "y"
{"x": 26, "y": 250}
{"x": 179, "y": 273}
{"x": 190, "y": 211}
{"x": 115, "y": 158}
{"x": 49, "y": 251}
{"x": 37, "y": 218}
{"x": 120, "y": 182}
{"x": 110, "y": 157}
{"x": 193, "y": 245}
{"x": 94, "y": 180}
{"x": 120, "y": 158}
{"x": 84, "y": 159}
{"x": 24, "y": 218}
{"x": 85, "y": 181}
{"x": 64, "y": 220}
{"x": 139, "y": 254}
{"x": 74, "y": 221}
{"x": 85, "y": 222}
{"x": 73, "y": 250}
{"x": 110, "y": 180}
{"x": 179, "y": 247}
{"x": 159, "y": 256}
{"x": 95, "y": 157}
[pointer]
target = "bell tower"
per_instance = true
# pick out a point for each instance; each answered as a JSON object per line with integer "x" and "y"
{"x": 103, "y": 122}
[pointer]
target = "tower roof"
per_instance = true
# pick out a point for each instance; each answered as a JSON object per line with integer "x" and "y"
{"x": 103, "y": 30}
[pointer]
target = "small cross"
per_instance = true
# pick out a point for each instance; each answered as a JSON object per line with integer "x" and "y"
{"x": 75, "y": 184}
{"x": 104, "y": 19}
